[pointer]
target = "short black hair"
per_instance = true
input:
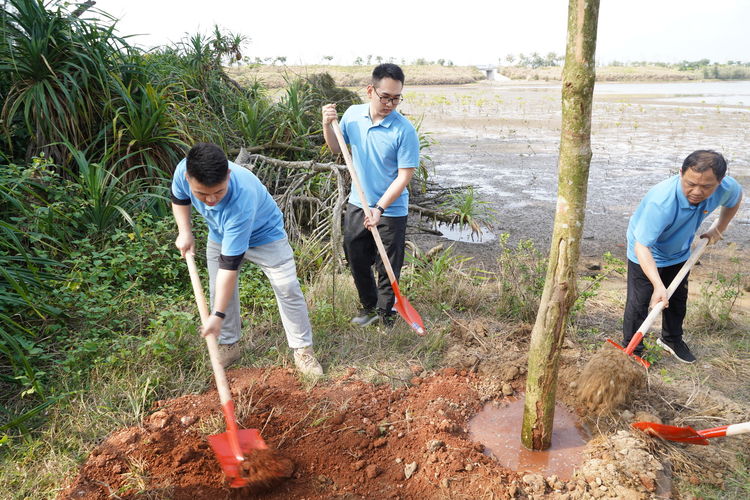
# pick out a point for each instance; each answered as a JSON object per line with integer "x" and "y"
{"x": 704, "y": 159}
{"x": 387, "y": 70}
{"x": 207, "y": 164}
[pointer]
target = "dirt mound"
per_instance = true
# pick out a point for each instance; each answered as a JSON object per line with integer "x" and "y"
{"x": 348, "y": 439}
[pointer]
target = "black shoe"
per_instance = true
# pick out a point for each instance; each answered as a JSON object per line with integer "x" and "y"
{"x": 365, "y": 317}
{"x": 678, "y": 349}
{"x": 387, "y": 319}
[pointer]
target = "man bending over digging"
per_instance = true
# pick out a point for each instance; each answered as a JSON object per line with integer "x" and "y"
{"x": 385, "y": 151}
{"x": 244, "y": 223}
{"x": 660, "y": 233}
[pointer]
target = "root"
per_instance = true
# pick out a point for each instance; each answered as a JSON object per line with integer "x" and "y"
{"x": 607, "y": 379}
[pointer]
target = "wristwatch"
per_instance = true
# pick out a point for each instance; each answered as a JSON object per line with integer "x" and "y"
{"x": 220, "y": 314}
{"x": 382, "y": 210}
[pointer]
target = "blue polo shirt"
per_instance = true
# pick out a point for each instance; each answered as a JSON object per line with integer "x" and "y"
{"x": 666, "y": 222}
{"x": 246, "y": 217}
{"x": 378, "y": 152}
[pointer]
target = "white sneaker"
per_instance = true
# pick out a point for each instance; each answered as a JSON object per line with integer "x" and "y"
{"x": 305, "y": 361}
{"x": 229, "y": 354}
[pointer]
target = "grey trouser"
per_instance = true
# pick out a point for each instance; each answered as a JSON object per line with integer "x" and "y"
{"x": 276, "y": 259}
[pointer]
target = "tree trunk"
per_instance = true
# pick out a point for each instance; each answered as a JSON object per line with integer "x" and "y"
{"x": 560, "y": 285}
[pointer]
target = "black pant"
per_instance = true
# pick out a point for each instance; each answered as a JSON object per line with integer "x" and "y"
{"x": 362, "y": 254}
{"x": 640, "y": 290}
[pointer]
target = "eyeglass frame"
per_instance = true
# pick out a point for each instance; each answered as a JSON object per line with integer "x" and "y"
{"x": 392, "y": 100}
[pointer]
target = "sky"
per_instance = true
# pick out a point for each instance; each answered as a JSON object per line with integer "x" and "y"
{"x": 466, "y": 32}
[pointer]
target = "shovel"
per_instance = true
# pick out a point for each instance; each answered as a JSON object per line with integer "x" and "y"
{"x": 232, "y": 446}
{"x": 690, "y": 435}
{"x": 402, "y": 305}
{"x": 700, "y": 247}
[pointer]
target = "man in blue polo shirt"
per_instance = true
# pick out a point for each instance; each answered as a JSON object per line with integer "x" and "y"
{"x": 660, "y": 233}
{"x": 244, "y": 223}
{"x": 385, "y": 151}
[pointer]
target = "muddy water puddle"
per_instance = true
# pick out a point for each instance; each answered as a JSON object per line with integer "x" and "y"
{"x": 498, "y": 428}
{"x": 456, "y": 232}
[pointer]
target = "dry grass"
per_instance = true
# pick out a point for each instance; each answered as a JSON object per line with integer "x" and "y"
{"x": 355, "y": 76}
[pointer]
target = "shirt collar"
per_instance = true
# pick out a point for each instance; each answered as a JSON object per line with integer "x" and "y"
{"x": 386, "y": 122}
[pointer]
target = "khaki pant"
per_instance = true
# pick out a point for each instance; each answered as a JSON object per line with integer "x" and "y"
{"x": 276, "y": 259}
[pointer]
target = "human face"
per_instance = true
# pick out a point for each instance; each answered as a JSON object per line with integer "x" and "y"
{"x": 212, "y": 195}
{"x": 387, "y": 88}
{"x": 697, "y": 186}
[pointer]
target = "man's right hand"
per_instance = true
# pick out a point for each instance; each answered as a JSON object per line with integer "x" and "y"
{"x": 659, "y": 295}
{"x": 185, "y": 243}
{"x": 329, "y": 114}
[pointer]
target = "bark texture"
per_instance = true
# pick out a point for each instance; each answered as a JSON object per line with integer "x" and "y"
{"x": 573, "y": 172}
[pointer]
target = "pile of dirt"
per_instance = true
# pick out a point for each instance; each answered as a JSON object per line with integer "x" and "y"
{"x": 347, "y": 438}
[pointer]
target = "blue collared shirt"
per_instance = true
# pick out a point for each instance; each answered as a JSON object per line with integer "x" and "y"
{"x": 246, "y": 217}
{"x": 378, "y": 152}
{"x": 666, "y": 222}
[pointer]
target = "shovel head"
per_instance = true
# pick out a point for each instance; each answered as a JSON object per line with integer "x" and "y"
{"x": 249, "y": 440}
{"x": 637, "y": 359}
{"x": 672, "y": 433}
{"x": 407, "y": 312}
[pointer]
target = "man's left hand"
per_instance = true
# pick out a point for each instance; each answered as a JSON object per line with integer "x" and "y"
{"x": 212, "y": 326}
{"x": 372, "y": 220}
{"x": 713, "y": 235}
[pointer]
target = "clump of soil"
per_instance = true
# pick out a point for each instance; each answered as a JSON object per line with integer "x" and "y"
{"x": 608, "y": 380}
{"x": 264, "y": 469}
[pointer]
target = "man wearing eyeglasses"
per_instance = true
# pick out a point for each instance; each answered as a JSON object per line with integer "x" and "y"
{"x": 385, "y": 150}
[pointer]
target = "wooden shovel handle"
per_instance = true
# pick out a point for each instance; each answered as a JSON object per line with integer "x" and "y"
{"x": 213, "y": 345}
{"x": 363, "y": 198}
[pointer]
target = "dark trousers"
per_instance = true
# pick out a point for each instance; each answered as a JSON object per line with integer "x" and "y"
{"x": 362, "y": 254}
{"x": 640, "y": 290}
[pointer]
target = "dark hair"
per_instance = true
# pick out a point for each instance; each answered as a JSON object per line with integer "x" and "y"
{"x": 705, "y": 159}
{"x": 387, "y": 70}
{"x": 207, "y": 164}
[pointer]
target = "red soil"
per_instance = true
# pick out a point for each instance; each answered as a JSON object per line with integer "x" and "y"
{"x": 347, "y": 439}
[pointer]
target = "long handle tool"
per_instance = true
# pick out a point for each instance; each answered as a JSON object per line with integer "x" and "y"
{"x": 700, "y": 247}
{"x": 690, "y": 435}
{"x": 402, "y": 305}
{"x": 232, "y": 446}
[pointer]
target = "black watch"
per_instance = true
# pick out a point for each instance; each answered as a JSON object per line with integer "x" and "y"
{"x": 382, "y": 210}
{"x": 220, "y": 314}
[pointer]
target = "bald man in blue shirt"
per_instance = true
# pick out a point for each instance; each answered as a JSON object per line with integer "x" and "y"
{"x": 660, "y": 234}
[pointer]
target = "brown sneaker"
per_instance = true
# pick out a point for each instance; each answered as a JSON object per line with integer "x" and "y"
{"x": 305, "y": 361}
{"x": 229, "y": 354}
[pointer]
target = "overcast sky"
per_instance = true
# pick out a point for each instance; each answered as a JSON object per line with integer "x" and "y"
{"x": 465, "y": 32}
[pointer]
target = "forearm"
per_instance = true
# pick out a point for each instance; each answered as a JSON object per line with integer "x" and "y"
{"x": 224, "y": 288}
{"x": 396, "y": 188}
{"x": 330, "y": 138}
{"x": 182, "y": 218}
{"x": 726, "y": 215}
{"x": 648, "y": 264}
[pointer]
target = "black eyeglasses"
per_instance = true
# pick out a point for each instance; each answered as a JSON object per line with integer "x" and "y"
{"x": 385, "y": 100}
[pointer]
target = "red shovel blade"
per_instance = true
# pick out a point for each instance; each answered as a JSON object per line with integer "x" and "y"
{"x": 637, "y": 359}
{"x": 407, "y": 312}
{"x": 671, "y": 433}
{"x": 249, "y": 440}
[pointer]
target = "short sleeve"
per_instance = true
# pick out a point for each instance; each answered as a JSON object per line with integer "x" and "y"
{"x": 733, "y": 193}
{"x": 651, "y": 224}
{"x": 408, "y": 149}
{"x": 180, "y": 187}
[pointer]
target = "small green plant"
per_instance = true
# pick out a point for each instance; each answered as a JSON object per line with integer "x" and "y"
{"x": 465, "y": 208}
{"x": 719, "y": 294}
{"x": 520, "y": 278}
{"x": 590, "y": 285}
